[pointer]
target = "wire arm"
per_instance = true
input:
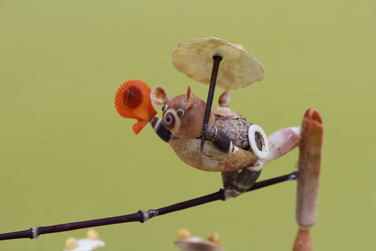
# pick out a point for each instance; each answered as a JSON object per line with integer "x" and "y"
{"x": 141, "y": 216}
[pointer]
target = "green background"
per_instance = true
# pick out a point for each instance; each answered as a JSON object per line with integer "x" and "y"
{"x": 66, "y": 155}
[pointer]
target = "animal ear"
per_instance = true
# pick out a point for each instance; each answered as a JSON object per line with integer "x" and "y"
{"x": 224, "y": 99}
{"x": 190, "y": 98}
{"x": 158, "y": 96}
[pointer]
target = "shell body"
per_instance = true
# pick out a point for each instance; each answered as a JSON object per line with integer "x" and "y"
{"x": 236, "y": 128}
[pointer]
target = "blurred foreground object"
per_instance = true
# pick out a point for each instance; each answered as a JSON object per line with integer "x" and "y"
{"x": 90, "y": 243}
{"x": 188, "y": 243}
{"x": 309, "y": 166}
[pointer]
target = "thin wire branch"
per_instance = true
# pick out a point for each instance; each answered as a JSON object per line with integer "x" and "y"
{"x": 140, "y": 216}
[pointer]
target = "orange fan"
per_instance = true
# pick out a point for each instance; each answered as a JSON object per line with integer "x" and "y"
{"x": 132, "y": 100}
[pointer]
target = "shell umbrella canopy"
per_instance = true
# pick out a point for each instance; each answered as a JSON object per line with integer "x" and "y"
{"x": 237, "y": 69}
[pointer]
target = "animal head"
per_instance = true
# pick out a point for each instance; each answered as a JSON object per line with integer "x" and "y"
{"x": 183, "y": 115}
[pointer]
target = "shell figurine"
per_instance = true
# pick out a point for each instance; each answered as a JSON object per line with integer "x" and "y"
{"x": 232, "y": 145}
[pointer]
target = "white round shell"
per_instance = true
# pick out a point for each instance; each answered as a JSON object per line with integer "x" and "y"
{"x": 263, "y": 154}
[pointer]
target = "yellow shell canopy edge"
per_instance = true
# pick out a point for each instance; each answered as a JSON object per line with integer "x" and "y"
{"x": 237, "y": 69}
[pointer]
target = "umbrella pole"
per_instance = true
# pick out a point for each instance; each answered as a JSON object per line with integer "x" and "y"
{"x": 213, "y": 80}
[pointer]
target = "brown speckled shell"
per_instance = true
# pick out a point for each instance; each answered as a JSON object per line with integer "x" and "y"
{"x": 211, "y": 159}
{"x": 235, "y": 129}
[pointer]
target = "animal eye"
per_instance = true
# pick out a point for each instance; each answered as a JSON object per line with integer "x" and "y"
{"x": 170, "y": 120}
{"x": 180, "y": 112}
{"x": 164, "y": 108}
